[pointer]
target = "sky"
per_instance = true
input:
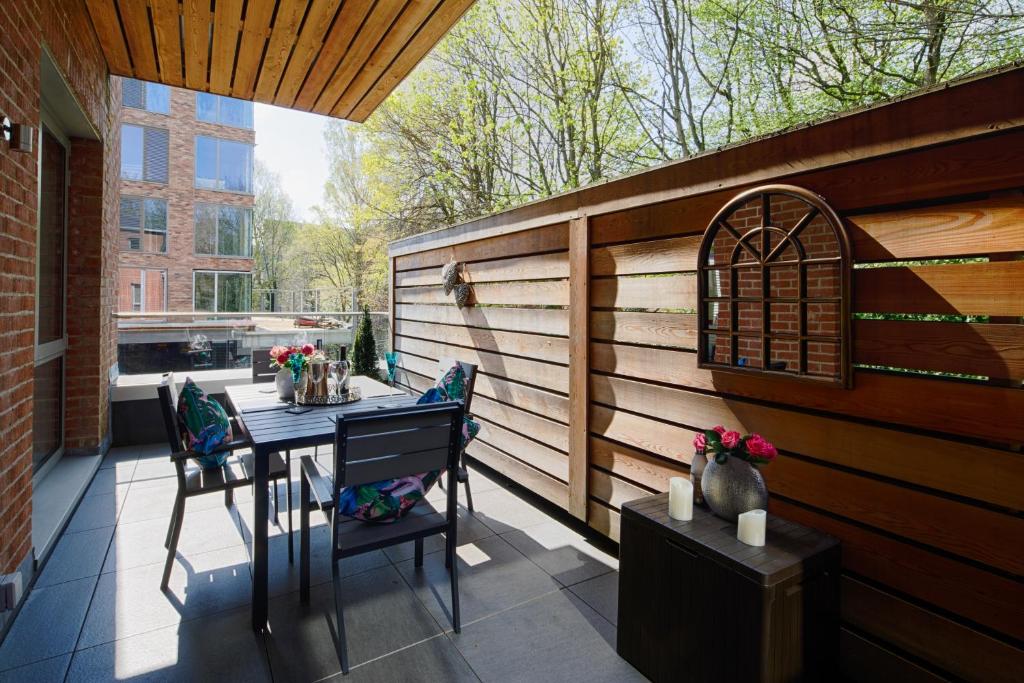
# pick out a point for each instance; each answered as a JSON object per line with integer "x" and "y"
{"x": 291, "y": 143}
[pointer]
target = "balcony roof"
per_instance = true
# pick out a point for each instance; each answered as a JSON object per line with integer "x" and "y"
{"x": 330, "y": 57}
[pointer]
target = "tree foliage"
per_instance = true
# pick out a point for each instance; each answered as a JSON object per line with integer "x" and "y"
{"x": 364, "y": 349}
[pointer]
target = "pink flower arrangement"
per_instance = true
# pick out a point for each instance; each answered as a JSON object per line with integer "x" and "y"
{"x": 721, "y": 442}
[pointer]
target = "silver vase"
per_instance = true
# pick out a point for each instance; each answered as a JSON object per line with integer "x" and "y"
{"x": 285, "y": 388}
{"x": 733, "y": 488}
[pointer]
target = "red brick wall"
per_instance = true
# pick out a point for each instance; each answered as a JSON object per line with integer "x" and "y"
{"x": 181, "y": 194}
{"x": 65, "y": 29}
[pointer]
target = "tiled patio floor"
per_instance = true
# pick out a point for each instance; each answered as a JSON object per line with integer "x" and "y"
{"x": 538, "y": 598}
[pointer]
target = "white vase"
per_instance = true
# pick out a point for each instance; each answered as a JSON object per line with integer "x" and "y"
{"x": 285, "y": 388}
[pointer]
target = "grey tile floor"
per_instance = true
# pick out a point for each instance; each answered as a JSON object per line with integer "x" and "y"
{"x": 538, "y": 598}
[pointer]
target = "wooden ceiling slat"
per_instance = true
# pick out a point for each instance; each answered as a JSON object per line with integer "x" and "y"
{"x": 412, "y": 54}
{"x": 140, "y": 41}
{"x": 108, "y": 31}
{"x": 380, "y": 20}
{"x": 255, "y": 32}
{"x": 196, "y": 31}
{"x": 227, "y": 22}
{"x": 282, "y": 38}
{"x": 353, "y": 12}
{"x": 311, "y": 41}
{"x": 167, "y": 28}
{"x": 332, "y": 57}
{"x": 414, "y": 17}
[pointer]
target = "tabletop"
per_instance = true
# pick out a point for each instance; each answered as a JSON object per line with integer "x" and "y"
{"x": 270, "y": 426}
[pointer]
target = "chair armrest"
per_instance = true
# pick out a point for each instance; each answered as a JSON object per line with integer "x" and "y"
{"x": 182, "y": 455}
{"x": 233, "y": 445}
{"x": 322, "y": 489}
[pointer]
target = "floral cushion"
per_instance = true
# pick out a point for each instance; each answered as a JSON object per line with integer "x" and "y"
{"x": 390, "y": 500}
{"x": 204, "y": 423}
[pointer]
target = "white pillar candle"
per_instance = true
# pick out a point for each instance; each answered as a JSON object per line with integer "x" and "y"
{"x": 750, "y": 527}
{"x": 680, "y": 499}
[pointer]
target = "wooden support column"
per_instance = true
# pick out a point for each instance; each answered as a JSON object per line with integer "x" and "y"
{"x": 579, "y": 364}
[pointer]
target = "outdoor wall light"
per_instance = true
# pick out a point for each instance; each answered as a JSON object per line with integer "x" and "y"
{"x": 18, "y": 135}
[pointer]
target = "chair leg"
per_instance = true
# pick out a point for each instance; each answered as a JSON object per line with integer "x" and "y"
{"x": 453, "y": 567}
{"x": 171, "y": 524}
{"x": 288, "y": 496}
{"x": 304, "y": 540}
{"x": 277, "y": 502}
{"x": 172, "y": 547}
{"x": 229, "y": 497}
{"x": 469, "y": 493}
{"x": 339, "y": 614}
{"x": 419, "y": 552}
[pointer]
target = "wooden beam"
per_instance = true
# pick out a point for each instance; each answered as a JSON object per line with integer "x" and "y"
{"x": 579, "y": 365}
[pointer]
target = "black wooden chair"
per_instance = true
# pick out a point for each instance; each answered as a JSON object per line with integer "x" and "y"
{"x": 195, "y": 481}
{"x": 462, "y": 474}
{"x": 377, "y": 445}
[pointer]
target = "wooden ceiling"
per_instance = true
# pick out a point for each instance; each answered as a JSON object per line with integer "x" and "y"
{"x": 333, "y": 57}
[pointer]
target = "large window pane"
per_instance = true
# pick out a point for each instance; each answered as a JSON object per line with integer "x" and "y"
{"x": 158, "y": 98}
{"x": 156, "y": 225}
{"x": 131, "y": 224}
{"x": 206, "y": 229}
{"x": 236, "y": 113}
{"x": 50, "y": 286}
{"x": 233, "y": 292}
{"x": 235, "y": 166}
{"x": 230, "y": 232}
{"x": 204, "y": 291}
{"x": 206, "y": 163}
{"x": 131, "y": 152}
{"x": 206, "y": 107}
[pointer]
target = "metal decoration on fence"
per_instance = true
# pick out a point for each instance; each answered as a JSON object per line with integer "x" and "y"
{"x": 461, "y": 294}
{"x": 450, "y": 276}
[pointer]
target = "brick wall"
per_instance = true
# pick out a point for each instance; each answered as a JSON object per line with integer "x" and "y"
{"x": 65, "y": 30}
{"x": 181, "y": 195}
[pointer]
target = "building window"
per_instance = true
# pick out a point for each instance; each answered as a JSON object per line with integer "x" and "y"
{"x": 223, "y": 230}
{"x": 224, "y": 110}
{"x": 221, "y": 292}
{"x": 223, "y": 165}
{"x": 773, "y": 287}
{"x": 144, "y": 153}
{"x": 142, "y": 290}
{"x": 152, "y": 97}
{"x": 143, "y": 224}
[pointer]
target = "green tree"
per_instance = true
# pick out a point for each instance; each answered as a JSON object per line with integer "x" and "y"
{"x": 364, "y": 349}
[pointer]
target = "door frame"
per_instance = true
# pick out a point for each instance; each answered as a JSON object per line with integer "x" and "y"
{"x": 57, "y": 348}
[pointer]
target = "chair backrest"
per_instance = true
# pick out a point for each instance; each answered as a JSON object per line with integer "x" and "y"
{"x": 470, "y": 371}
{"x": 377, "y": 445}
{"x": 261, "y": 370}
{"x": 167, "y": 392}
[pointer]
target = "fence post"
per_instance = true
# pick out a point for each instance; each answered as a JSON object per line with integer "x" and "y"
{"x": 579, "y": 364}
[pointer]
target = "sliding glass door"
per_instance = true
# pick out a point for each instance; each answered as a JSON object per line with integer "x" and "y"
{"x": 50, "y": 337}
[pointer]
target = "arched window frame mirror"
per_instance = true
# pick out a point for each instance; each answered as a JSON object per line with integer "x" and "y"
{"x": 757, "y": 243}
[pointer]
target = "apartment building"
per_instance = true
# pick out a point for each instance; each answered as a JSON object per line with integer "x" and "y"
{"x": 186, "y": 199}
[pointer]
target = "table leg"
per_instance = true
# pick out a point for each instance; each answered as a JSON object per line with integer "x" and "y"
{"x": 259, "y": 540}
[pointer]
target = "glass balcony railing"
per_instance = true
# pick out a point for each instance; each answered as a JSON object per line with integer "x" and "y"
{"x": 185, "y": 342}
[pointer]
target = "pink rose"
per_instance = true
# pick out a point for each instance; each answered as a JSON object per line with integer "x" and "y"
{"x": 730, "y": 439}
{"x": 277, "y": 351}
{"x": 283, "y": 358}
{"x": 308, "y": 349}
{"x": 760, "y": 448}
{"x": 699, "y": 442}
{"x": 720, "y": 429}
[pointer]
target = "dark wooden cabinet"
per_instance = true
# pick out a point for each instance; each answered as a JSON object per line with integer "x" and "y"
{"x": 696, "y": 604}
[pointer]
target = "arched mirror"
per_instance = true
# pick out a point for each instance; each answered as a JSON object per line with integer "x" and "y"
{"x": 774, "y": 287}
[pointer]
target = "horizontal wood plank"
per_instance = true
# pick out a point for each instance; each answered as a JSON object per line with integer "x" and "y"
{"x": 655, "y": 329}
{"x": 540, "y": 293}
{"x": 612, "y": 490}
{"x": 953, "y": 585}
{"x": 534, "y": 454}
{"x": 536, "y": 481}
{"x": 995, "y": 288}
{"x": 992, "y": 350}
{"x": 656, "y": 292}
{"x": 536, "y": 373}
{"x": 603, "y": 519}
{"x": 538, "y": 240}
{"x": 985, "y": 474}
{"x": 635, "y": 465}
{"x": 534, "y": 320}
{"x": 974, "y": 228}
{"x": 534, "y": 267}
{"x": 653, "y": 256}
{"x": 540, "y": 347}
{"x": 554, "y": 434}
{"x": 954, "y": 647}
{"x": 864, "y": 661}
{"x": 967, "y": 409}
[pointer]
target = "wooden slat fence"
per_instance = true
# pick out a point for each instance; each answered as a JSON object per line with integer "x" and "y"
{"x": 584, "y": 329}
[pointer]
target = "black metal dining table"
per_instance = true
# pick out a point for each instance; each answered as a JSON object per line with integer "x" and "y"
{"x": 266, "y": 423}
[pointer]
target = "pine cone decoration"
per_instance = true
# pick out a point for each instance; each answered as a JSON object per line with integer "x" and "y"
{"x": 461, "y": 294}
{"x": 449, "y": 276}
